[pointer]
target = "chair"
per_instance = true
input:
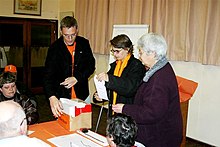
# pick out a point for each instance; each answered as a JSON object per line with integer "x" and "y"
{"x": 104, "y": 104}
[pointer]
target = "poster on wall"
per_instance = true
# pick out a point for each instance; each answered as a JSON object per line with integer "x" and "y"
{"x": 27, "y": 7}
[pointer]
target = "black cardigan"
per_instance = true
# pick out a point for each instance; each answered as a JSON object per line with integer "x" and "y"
{"x": 126, "y": 85}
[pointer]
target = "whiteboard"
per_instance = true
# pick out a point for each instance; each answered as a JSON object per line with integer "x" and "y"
{"x": 134, "y": 32}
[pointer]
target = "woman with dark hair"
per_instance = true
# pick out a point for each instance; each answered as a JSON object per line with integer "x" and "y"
{"x": 8, "y": 91}
{"x": 121, "y": 131}
{"x": 125, "y": 74}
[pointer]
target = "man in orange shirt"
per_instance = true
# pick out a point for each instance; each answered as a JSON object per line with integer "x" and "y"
{"x": 68, "y": 66}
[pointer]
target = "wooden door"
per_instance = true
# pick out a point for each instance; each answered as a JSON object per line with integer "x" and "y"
{"x": 24, "y": 43}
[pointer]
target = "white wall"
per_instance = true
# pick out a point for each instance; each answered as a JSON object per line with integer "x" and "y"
{"x": 67, "y": 6}
{"x": 204, "y": 107}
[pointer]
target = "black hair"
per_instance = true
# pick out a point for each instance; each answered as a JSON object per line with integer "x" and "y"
{"x": 122, "y": 128}
{"x": 7, "y": 77}
{"x": 68, "y": 22}
{"x": 122, "y": 41}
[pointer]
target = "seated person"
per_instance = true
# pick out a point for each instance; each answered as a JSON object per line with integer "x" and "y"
{"x": 22, "y": 89}
{"x": 8, "y": 91}
{"x": 13, "y": 127}
{"x": 121, "y": 131}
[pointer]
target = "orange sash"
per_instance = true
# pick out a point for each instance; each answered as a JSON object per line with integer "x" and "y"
{"x": 118, "y": 71}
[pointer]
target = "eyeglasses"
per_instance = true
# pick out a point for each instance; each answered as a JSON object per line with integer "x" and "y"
{"x": 141, "y": 52}
{"x": 23, "y": 121}
{"x": 116, "y": 51}
{"x": 69, "y": 35}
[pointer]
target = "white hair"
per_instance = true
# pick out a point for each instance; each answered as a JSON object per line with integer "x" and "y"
{"x": 152, "y": 42}
{"x": 10, "y": 122}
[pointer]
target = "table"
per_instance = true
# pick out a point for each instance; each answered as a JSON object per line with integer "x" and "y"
{"x": 50, "y": 129}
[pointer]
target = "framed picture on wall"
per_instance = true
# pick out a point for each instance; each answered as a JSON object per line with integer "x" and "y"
{"x": 27, "y": 7}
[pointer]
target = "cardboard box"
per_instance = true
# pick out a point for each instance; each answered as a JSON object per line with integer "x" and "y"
{"x": 77, "y": 114}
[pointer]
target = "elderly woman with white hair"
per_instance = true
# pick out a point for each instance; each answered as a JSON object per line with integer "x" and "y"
{"x": 156, "y": 107}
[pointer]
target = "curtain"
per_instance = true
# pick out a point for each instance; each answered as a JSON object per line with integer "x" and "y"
{"x": 191, "y": 27}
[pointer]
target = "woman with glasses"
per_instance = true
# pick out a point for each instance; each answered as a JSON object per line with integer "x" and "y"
{"x": 125, "y": 74}
{"x": 156, "y": 107}
{"x": 8, "y": 91}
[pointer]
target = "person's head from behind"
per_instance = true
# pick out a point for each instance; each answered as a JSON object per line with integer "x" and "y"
{"x": 121, "y": 131}
{"x": 12, "y": 119}
{"x": 121, "y": 46}
{"x": 69, "y": 29}
{"x": 7, "y": 84}
{"x": 152, "y": 47}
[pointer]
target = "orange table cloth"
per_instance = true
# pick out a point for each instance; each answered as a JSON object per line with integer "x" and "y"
{"x": 48, "y": 130}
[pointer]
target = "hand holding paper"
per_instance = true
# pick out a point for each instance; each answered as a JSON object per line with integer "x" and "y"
{"x": 101, "y": 89}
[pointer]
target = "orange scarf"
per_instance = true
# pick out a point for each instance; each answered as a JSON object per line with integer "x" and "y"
{"x": 118, "y": 71}
{"x": 72, "y": 52}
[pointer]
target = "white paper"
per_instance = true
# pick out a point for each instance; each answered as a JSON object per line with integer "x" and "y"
{"x": 101, "y": 89}
{"x": 72, "y": 140}
{"x": 29, "y": 132}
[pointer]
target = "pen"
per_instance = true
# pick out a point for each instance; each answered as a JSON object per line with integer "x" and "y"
{"x": 85, "y": 131}
{"x": 94, "y": 138}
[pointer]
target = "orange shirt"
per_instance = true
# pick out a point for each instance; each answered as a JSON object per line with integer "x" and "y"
{"x": 72, "y": 52}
